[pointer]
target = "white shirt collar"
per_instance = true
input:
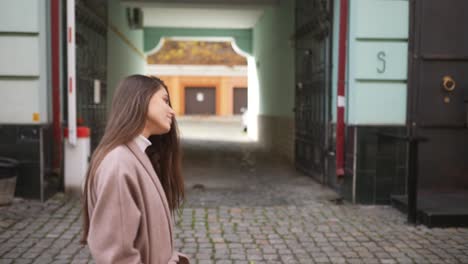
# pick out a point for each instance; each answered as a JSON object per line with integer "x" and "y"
{"x": 142, "y": 142}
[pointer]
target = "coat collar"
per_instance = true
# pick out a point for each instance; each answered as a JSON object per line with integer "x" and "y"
{"x": 144, "y": 160}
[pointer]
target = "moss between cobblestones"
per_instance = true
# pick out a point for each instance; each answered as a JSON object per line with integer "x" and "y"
{"x": 193, "y": 219}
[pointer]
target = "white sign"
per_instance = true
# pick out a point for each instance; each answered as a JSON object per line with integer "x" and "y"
{"x": 200, "y": 97}
{"x": 97, "y": 91}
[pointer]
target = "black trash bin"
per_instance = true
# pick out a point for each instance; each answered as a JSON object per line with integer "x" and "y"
{"x": 8, "y": 175}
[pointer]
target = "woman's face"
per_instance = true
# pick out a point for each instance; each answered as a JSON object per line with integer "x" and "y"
{"x": 160, "y": 114}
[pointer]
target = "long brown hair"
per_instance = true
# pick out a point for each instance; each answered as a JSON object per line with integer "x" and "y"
{"x": 126, "y": 121}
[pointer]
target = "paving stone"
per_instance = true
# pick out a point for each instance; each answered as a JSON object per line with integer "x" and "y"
{"x": 269, "y": 215}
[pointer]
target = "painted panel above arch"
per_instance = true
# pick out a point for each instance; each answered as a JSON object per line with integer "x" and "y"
{"x": 242, "y": 37}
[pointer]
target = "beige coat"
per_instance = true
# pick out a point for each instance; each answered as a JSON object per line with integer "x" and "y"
{"x": 130, "y": 220}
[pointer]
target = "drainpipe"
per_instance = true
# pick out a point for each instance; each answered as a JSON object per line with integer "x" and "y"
{"x": 71, "y": 70}
{"x": 55, "y": 46}
{"x": 340, "y": 106}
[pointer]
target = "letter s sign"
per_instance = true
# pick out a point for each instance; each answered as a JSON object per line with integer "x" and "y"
{"x": 381, "y": 57}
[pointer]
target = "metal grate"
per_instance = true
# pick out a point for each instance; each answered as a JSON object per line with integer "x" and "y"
{"x": 91, "y": 63}
{"x": 312, "y": 101}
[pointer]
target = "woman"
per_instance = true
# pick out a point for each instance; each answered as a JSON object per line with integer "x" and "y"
{"x": 134, "y": 183}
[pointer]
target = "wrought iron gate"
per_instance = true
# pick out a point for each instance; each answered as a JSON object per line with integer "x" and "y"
{"x": 313, "y": 74}
{"x": 91, "y": 66}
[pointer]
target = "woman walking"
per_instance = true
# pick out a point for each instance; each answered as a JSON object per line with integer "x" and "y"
{"x": 134, "y": 182}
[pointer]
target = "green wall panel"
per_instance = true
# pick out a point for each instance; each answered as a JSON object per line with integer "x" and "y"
{"x": 19, "y": 16}
{"x": 24, "y": 63}
{"x": 381, "y": 60}
{"x": 381, "y": 19}
{"x": 20, "y": 55}
{"x": 378, "y": 103}
{"x": 274, "y": 56}
{"x": 377, "y": 62}
{"x": 124, "y": 46}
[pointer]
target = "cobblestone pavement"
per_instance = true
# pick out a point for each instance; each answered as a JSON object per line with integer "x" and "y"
{"x": 244, "y": 207}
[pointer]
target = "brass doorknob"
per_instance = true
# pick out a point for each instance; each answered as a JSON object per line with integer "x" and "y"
{"x": 448, "y": 83}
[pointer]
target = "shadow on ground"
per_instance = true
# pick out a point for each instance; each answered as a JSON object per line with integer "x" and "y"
{"x": 241, "y": 174}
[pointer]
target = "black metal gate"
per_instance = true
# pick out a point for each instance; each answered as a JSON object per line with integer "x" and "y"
{"x": 313, "y": 74}
{"x": 438, "y": 85}
{"x": 91, "y": 66}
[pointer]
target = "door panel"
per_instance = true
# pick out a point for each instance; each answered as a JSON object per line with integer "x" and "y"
{"x": 240, "y": 101}
{"x": 200, "y": 101}
{"x": 438, "y": 107}
{"x": 443, "y": 160}
{"x": 442, "y": 33}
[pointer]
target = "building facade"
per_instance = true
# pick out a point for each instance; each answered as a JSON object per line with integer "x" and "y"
{"x": 338, "y": 87}
{"x": 203, "y": 77}
{"x": 378, "y": 114}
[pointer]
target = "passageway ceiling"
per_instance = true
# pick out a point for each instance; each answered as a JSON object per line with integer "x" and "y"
{"x": 225, "y": 14}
